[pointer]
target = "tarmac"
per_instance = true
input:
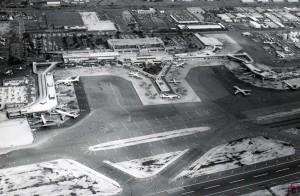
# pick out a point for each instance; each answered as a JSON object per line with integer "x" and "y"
{"x": 111, "y": 110}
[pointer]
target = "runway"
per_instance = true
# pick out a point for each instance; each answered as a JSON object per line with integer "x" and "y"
{"x": 241, "y": 183}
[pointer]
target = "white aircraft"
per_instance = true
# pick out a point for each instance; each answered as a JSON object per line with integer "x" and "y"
{"x": 1, "y": 58}
{"x": 2, "y": 39}
{"x": 134, "y": 74}
{"x": 44, "y": 120}
{"x": 67, "y": 81}
{"x": 269, "y": 42}
{"x": 9, "y": 72}
{"x": 64, "y": 114}
{"x": 20, "y": 68}
{"x": 243, "y": 91}
{"x": 180, "y": 65}
{"x": 293, "y": 87}
{"x": 169, "y": 96}
{"x": 174, "y": 81}
{"x": 2, "y": 43}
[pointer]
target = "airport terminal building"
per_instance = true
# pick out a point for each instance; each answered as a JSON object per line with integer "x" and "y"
{"x": 134, "y": 45}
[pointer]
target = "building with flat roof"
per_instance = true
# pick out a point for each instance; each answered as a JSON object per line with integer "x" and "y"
{"x": 93, "y": 23}
{"x": 146, "y": 11}
{"x": 135, "y": 44}
{"x": 213, "y": 27}
{"x": 86, "y": 56}
{"x": 210, "y": 42}
{"x": 13, "y": 95}
{"x": 288, "y": 16}
{"x": 59, "y": 20}
{"x": 53, "y": 3}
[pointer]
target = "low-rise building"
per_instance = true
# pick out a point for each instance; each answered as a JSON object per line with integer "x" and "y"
{"x": 255, "y": 25}
{"x": 13, "y": 95}
{"x": 79, "y": 56}
{"x": 146, "y": 11}
{"x": 214, "y": 27}
{"x": 134, "y": 45}
{"x": 210, "y": 42}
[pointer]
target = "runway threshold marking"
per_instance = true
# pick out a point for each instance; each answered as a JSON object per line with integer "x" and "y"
{"x": 236, "y": 181}
{"x": 282, "y": 170}
{"x": 210, "y": 187}
{"x": 260, "y": 175}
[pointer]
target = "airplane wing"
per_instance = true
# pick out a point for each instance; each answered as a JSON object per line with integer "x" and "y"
{"x": 62, "y": 116}
{"x": 43, "y": 119}
{"x": 236, "y": 92}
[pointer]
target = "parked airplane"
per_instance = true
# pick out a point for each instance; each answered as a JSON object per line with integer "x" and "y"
{"x": 61, "y": 106}
{"x": 64, "y": 114}
{"x": 269, "y": 42}
{"x": 169, "y": 96}
{"x": 2, "y": 39}
{"x": 9, "y": 72}
{"x": 180, "y": 65}
{"x": 67, "y": 81}
{"x": 174, "y": 81}
{"x": 44, "y": 121}
{"x": 243, "y": 91}
{"x": 134, "y": 74}
{"x": 2, "y": 43}
{"x": 293, "y": 87}
{"x": 1, "y": 58}
{"x": 20, "y": 68}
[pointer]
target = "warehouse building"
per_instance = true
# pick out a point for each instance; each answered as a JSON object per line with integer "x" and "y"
{"x": 215, "y": 27}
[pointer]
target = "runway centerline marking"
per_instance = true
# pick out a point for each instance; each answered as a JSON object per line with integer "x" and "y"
{"x": 236, "y": 181}
{"x": 239, "y": 174}
{"x": 260, "y": 175}
{"x": 252, "y": 184}
{"x": 282, "y": 170}
{"x": 210, "y": 187}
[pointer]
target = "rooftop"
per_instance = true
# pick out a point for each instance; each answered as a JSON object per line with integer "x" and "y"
{"x": 139, "y": 41}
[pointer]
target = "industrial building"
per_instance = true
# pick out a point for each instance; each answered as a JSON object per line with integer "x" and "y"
{"x": 214, "y": 27}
